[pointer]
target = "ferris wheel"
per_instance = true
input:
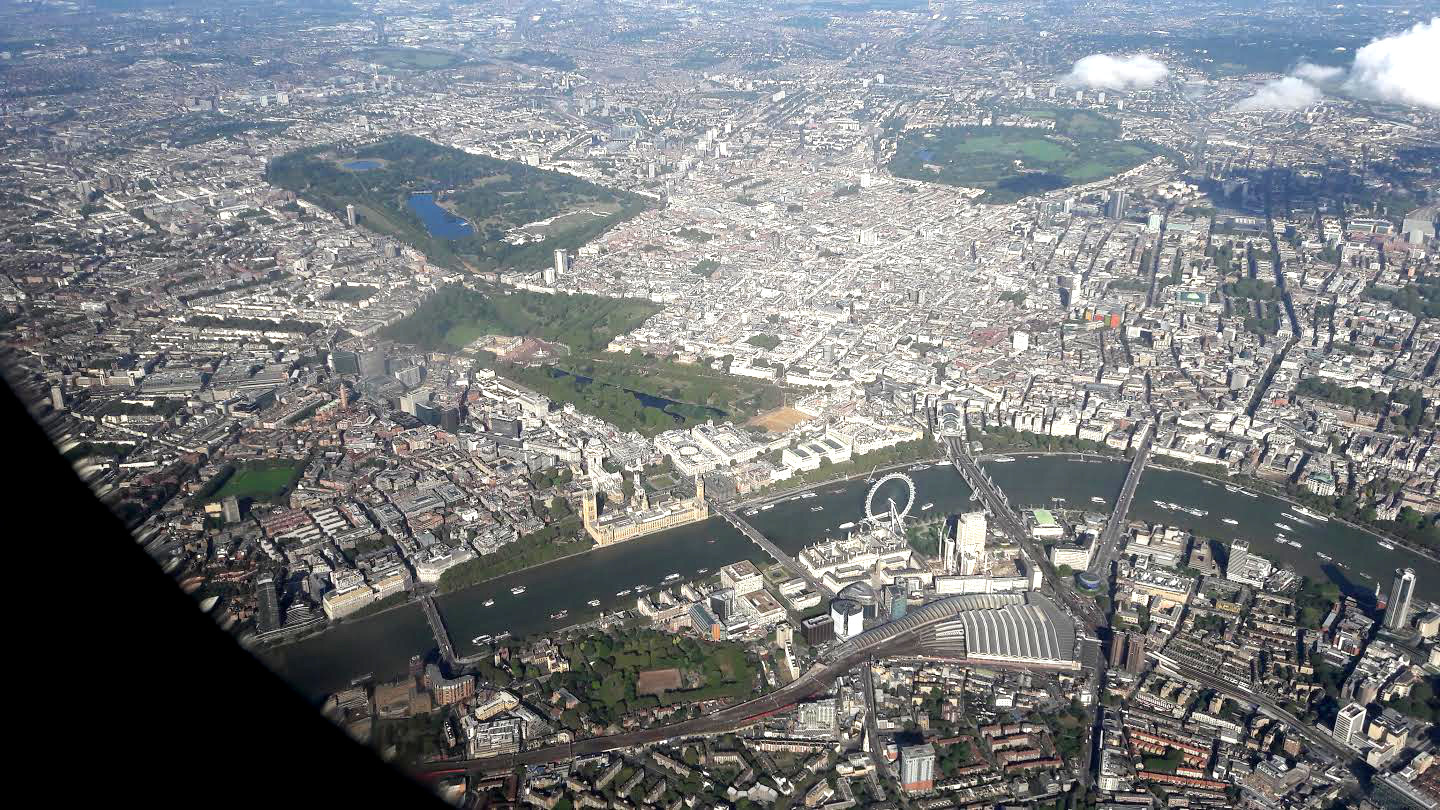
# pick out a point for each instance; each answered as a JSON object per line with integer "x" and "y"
{"x": 895, "y": 512}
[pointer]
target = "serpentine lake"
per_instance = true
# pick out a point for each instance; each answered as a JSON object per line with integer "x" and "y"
{"x": 381, "y": 645}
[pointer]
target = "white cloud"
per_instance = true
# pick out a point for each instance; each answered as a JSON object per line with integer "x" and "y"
{"x": 1101, "y": 71}
{"x": 1317, "y": 74}
{"x": 1404, "y": 69}
{"x": 1288, "y": 93}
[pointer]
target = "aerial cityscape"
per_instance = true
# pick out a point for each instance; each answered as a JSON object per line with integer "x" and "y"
{"x": 814, "y": 403}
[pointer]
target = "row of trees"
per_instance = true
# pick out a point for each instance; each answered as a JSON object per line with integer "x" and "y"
{"x": 1408, "y": 402}
{"x": 554, "y": 541}
{"x": 1420, "y": 298}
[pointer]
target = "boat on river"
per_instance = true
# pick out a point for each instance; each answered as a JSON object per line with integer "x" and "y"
{"x": 1096, "y": 499}
{"x": 1385, "y": 545}
{"x": 489, "y": 603}
{"x": 1196, "y": 512}
{"x": 1286, "y": 526}
{"x": 1231, "y": 521}
{"x": 925, "y": 506}
{"x": 1322, "y": 555}
{"x": 1002, "y": 459}
{"x": 1300, "y": 510}
{"x": 849, "y": 524}
{"x": 817, "y": 509}
{"x": 517, "y": 590}
{"x": 593, "y": 603}
{"x": 483, "y": 638}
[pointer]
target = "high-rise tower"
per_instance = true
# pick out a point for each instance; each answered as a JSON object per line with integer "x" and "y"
{"x": 1397, "y": 610}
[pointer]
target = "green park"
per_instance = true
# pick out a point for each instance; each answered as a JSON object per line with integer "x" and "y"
{"x": 1013, "y": 162}
{"x": 514, "y": 215}
{"x": 413, "y": 58}
{"x": 632, "y": 390}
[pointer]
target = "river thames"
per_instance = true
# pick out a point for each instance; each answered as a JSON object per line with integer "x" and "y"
{"x": 381, "y": 645}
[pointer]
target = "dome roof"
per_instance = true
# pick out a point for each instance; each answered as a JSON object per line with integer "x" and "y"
{"x": 859, "y": 592}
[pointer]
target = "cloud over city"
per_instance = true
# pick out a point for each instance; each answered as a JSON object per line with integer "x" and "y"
{"x": 1101, "y": 71}
{"x": 1317, "y": 74}
{"x": 1403, "y": 69}
{"x": 1288, "y": 93}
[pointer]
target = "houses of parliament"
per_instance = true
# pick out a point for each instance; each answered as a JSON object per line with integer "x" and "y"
{"x": 641, "y": 519}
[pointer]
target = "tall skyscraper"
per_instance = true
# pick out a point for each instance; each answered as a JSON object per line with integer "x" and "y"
{"x": 970, "y": 543}
{"x": 1350, "y": 724}
{"x": 1397, "y": 610}
{"x": 1134, "y": 653}
{"x": 917, "y": 768}
{"x": 350, "y": 215}
{"x": 1117, "y": 650}
{"x": 562, "y": 262}
{"x": 949, "y": 555}
{"x": 1115, "y": 207}
{"x": 1239, "y": 553}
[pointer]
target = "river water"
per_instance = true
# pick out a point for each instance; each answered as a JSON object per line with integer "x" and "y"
{"x": 382, "y": 645}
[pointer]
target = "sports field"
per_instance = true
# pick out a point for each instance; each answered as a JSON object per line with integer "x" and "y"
{"x": 264, "y": 480}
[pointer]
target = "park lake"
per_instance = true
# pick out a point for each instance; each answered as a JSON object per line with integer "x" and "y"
{"x": 440, "y": 223}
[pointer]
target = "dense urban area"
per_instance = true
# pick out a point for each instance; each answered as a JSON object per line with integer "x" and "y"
{"x": 585, "y": 324}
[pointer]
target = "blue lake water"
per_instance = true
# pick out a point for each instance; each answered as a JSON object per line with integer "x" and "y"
{"x": 363, "y": 165}
{"x": 440, "y": 223}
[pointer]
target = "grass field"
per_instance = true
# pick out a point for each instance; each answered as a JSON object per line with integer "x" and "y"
{"x": 1013, "y": 162}
{"x": 265, "y": 480}
{"x": 455, "y": 316}
{"x": 739, "y": 397}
